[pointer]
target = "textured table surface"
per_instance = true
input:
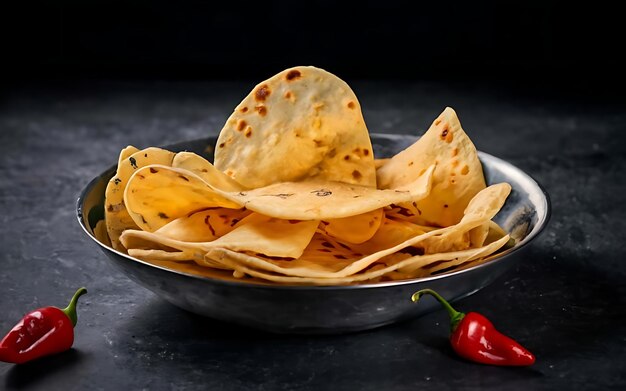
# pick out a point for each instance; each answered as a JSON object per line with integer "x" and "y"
{"x": 565, "y": 301}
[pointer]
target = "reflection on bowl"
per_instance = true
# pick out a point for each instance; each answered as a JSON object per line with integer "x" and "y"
{"x": 327, "y": 309}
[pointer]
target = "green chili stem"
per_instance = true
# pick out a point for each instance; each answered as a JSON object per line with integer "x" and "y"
{"x": 455, "y": 316}
{"x": 70, "y": 310}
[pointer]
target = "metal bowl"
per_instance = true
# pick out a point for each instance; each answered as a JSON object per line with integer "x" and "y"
{"x": 328, "y": 309}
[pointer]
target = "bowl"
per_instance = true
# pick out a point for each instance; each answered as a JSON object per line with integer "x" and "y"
{"x": 327, "y": 309}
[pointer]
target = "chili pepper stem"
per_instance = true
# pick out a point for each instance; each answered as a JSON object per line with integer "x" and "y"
{"x": 455, "y": 316}
{"x": 70, "y": 310}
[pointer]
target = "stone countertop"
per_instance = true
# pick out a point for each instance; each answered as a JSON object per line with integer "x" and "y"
{"x": 565, "y": 302}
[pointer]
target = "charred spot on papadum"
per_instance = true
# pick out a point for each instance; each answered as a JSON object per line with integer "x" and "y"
{"x": 133, "y": 162}
{"x": 293, "y": 75}
{"x": 248, "y": 132}
{"x": 262, "y": 93}
{"x": 261, "y": 109}
{"x": 351, "y": 105}
{"x": 403, "y": 211}
{"x": 241, "y": 125}
{"x": 153, "y": 170}
{"x": 280, "y": 195}
{"x": 322, "y": 192}
{"x": 163, "y": 215}
{"x": 206, "y": 221}
{"x": 183, "y": 177}
{"x": 356, "y": 174}
{"x": 446, "y": 135}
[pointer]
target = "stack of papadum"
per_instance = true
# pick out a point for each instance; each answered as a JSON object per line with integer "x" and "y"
{"x": 295, "y": 195}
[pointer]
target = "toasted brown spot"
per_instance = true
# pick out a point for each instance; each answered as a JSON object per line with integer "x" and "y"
{"x": 437, "y": 122}
{"x": 294, "y": 221}
{"x": 318, "y": 143}
{"x": 351, "y": 105}
{"x": 110, "y": 208}
{"x": 327, "y": 244}
{"x": 464, "y": 170}
{"x": 262, "y": 93}
{"x": 153, "y": 170}
{"x": 163, "y": 215}
{"x": 357, "y": 151}
{"x": 455, "y": 152}
{"x": 324, "y": 250}
{"x": 366, "y": 152}
{"x": 444, "y": 134}
{"x": 293, "y": 74}
{"x": 332, "y": 153}
{"x": 261, "y": 109}
{"x": 243, "y": 109}
{"x": 410, "y": 164}
{"x": 141, "y": 176}
{"x": 288, "y": 94}
{"x": 241, "y": 125}
{"x": 404, "y": 211}
{"x": 248, "y": 132}
{"x": 230, "y": 173}
{"x": 356, "y": 175}
{"x": 347, "y": 157}
{"x": 338, "y": 256}
{"x": 422, "y": 172}
{"x": 445, "y": 205}
{"x": 454, "y": 163}
{"x": 345, "y": 246}
{"x": 206, "y": 221}
{"x": 222, "y": 145}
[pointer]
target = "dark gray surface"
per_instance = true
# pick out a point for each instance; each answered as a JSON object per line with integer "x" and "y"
{"x": 565, "y": 302}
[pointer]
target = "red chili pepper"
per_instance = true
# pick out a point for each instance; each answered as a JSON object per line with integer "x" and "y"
{"x": 40, "y": 333}
{"x": 474, "y": 338}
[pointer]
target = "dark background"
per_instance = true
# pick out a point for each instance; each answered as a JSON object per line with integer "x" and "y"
{"x": 536, "y": 83}
{"x": 549, "y": 45}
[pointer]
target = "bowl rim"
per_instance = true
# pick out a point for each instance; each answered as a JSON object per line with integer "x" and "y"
{"x": 542, "y": 222}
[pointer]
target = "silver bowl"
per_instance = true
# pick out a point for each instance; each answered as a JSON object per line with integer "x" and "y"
{"x": 328, "y": 309}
